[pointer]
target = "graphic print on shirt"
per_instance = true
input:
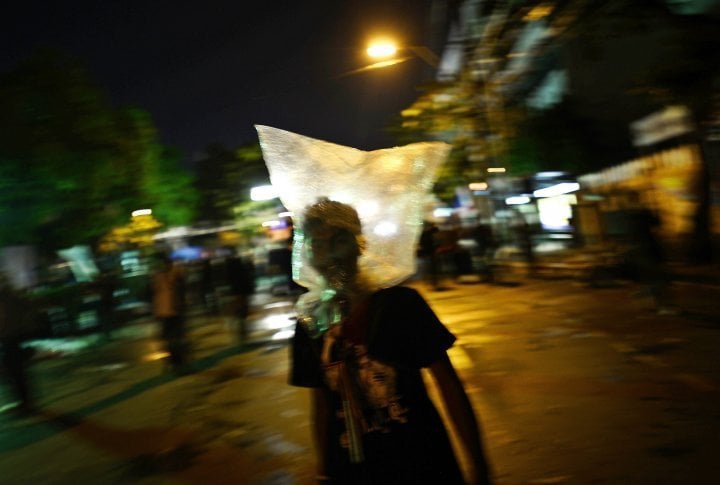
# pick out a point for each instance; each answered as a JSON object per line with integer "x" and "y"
{"x": 366, "y": 385}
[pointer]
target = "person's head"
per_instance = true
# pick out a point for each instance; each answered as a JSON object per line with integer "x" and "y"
{"x": 333, "y": 240}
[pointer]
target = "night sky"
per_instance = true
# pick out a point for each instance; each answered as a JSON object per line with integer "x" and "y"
{"x": 208, "y": 71}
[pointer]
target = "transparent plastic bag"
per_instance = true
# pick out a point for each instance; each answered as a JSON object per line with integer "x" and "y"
{"x": 387, "y": 187}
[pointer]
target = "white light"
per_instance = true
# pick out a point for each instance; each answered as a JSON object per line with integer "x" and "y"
{"x": 367, "y": 208}
{"x": 558, "y": 189}
{"x": 496, "y": 170}
{"x": 442, "y": 212}
{"x": 385, "y": 229}
{"x": 277, "y": 321}
{"x": 382, "y": 49}
{"x": 271, "y": 224}
{"x": 549, "y": 175}
{"x": 277, "y": 304}
{"x": 141, "y": 212}
{"x": 285, "y": 214}
{"x": 263, "y": 192}
{"x": 283, "y": 335}
{"x": 173, "y": 232}
{"x": 555, "y": 212}
{"x": 517, "y": 200}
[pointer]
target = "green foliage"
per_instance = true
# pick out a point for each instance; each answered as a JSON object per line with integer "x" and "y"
{"x": 72, "y": 166}
{"x": 249, "y": 216}
{"x": 224, "y": 179}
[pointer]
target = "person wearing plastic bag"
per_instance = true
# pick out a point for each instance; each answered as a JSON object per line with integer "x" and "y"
{"x": 361, "y": 340}
{"x": 362, "y": 353}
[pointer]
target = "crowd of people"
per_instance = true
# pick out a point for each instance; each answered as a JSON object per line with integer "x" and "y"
{"x": 221, "y": 285}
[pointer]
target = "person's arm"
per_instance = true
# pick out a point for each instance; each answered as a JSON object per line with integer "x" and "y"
{"x": 463, "y": 417}
{"x": 319, "y": 410}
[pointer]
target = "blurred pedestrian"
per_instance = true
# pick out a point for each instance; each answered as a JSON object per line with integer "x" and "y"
{"x": 208, "y": 293}
{"x": 427, "y": 251}
{"x": 448, "y": 246}
{"x": 645, "y": 254}
{"x": 280, "y": 262}
{"x": 241, "y": 279}
{"x": 485, "y": 245}
{"x": 106, "y": 284}
{"x": 168, "y": 297}
{"x": 524, "y": 237}
{"x": 361, "y": 351}
{"x": 16, "y": 318}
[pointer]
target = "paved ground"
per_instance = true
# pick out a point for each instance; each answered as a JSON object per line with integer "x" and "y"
{"x": 573, "y": 385}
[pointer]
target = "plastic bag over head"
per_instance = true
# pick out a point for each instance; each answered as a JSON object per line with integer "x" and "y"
{"x": 388, "y": 188}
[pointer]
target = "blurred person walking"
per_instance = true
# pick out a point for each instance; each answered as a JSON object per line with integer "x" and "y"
{"x": 241, "y": 279}
{"x": 427, "y": 251}
{"x": 208, "y": 292}
{"x": 646, "y": 256}
{"x": 16, "y": 321}
{"x": 485, "y": 245}
{"x": 168, "y": 297}
{"x": 106, "y": 285}
{"x": 524, "y": 237}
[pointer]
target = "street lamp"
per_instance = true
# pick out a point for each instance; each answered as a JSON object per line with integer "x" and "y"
{"x": 387, "y": 49}
{"x": 382, "y": 49}
{"x": 385, "y": 52}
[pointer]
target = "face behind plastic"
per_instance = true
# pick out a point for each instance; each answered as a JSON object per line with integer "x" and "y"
{"x": 388, "y": 188}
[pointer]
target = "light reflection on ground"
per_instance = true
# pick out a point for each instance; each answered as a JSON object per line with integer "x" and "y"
{"x": 277, "y": 304}
{"x": 153, "y": 356}
{"x": 283, "y": 335}
{"x": 275, "y": 321}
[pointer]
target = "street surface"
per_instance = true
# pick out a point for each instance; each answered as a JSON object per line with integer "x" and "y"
{"x": 573, "y": 385}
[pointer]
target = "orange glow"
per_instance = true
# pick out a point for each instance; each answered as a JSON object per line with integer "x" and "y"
{"x": 478, "y": 186}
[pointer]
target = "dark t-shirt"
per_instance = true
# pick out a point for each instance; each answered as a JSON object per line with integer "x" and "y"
{"x": 380, "y": 350}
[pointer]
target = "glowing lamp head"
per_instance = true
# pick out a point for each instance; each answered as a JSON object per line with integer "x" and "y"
{"x": 382, "y": 49}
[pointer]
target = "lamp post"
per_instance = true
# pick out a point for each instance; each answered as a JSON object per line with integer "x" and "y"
{"x": 387, "y": 49}
{"x": 386, "y": 53}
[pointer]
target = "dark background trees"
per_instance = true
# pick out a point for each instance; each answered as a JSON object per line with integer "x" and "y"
{"x": 224, "y": 177}
{"x": 72, "y": 165}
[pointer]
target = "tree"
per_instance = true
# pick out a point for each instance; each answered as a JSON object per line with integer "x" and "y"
{"x": 72, "y": 166}
{"x": 163, "y": 185}
{"x": 224, "y": 179}
{"x": 138, "y": 233}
